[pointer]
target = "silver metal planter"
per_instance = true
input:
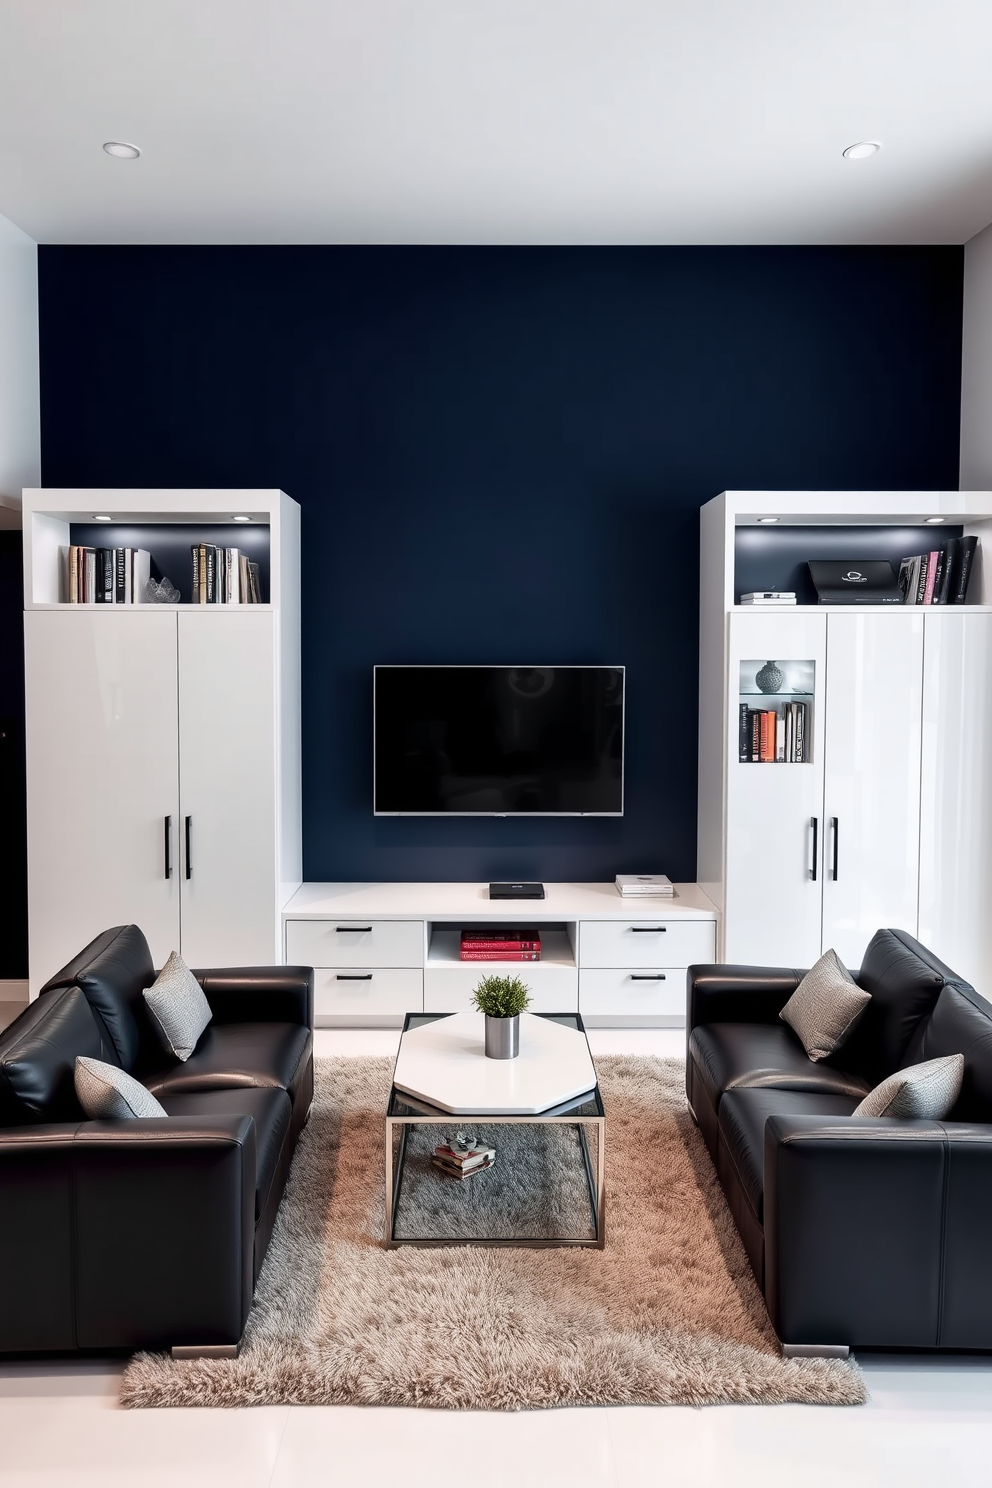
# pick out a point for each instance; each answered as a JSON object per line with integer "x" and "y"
{"x": 502, "y": 1037}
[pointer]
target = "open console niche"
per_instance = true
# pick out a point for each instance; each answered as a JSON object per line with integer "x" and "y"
{"x": 382, "y": 950}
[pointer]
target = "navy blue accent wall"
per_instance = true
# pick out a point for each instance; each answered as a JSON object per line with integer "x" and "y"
{"x": 500, "y": 455}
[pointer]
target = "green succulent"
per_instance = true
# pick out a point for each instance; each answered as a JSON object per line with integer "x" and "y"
{"x": 501, "y": 996}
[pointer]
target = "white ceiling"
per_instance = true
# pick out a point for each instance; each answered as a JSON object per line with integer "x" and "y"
{"x": 502, "y": 121}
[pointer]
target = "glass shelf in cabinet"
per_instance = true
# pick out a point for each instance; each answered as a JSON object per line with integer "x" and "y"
{"x": 745, "y": 694}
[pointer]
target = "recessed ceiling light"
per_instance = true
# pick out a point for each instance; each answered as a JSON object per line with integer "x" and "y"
{"x": 121, "y": 151}
{"x": 100, "y": 517}
{"x": 768, "y": 519}
{"x": 931, "y": 520}
{"x": 863, "y": 150}
{"x": 241, "y": 519}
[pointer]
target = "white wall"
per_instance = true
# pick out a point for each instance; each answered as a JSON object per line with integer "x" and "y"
{"x": 976, "y": 365}
{"x": 20, "y": 439}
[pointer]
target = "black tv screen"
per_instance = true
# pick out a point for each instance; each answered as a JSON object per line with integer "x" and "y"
{"x": 498, "y": 741}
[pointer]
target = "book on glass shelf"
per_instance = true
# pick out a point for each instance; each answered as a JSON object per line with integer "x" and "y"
{"x": 454, "y": 1171}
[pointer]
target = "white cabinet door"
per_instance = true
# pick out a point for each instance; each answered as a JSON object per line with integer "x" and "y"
{"x": 871, "y": 801}
{"x": 774, "y": 811}
{"x": 102, "y": 778}
{"x": 956, "y": 817}
{"x": 227, "y": 751}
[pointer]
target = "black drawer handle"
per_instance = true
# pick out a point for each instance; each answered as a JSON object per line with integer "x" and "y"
{"x": 645, "y": 976}
{"x": 189, "y": 849}
{"x": 358, "y": 976}
{"x": 168, "y": 847}
{"x": 648, "y": 929}
{"x": 353, "y": 929}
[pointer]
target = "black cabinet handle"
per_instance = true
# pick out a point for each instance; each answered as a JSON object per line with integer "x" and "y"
{"x": 833, "y": 871}
{"x": 647, "y": 976}
{"x": 189, "y": 864}
{"x": 648, "y": 929}
{"x": 353, "y": 929}
{"x": 357, "y": 976}
{"x": 168, "y": 847}
{"x": 815, "y": 824}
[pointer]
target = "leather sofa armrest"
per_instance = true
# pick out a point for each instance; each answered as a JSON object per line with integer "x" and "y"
{"x": 738, "y": 994}
{"x": 853, "y": 1227}
{"x": 128, "y": 1234}
{"x": 259, "y": 994}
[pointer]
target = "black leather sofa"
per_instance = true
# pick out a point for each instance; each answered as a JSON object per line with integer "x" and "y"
{"x": 120, "y": 1235}
{"x": 870, "y": 1233}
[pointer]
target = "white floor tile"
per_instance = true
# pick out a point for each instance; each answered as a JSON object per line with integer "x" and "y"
{"x": 62, "y": 1424}
{"x": 350, "y": 1447}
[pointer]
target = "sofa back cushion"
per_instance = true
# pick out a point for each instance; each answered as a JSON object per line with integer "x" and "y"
{"x": 38, "y": 1058}
{"x": 961, "y": 1023}
{"x": 905, "y": 981}
{"x": 113, "y": 971}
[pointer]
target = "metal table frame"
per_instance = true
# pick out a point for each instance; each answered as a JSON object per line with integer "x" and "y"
{"x": 419, "y": 1113}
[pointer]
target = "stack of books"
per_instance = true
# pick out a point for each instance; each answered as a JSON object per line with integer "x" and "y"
{"x": 104, "y": 575}
{"x": 224, "y": 576}
{"x": 500, "y": 945}
{"x": 769, "y": 597}
{"x": 939, "y": 577}
{"x": 461, "y": 1160}
{"x": 645, "y": 885}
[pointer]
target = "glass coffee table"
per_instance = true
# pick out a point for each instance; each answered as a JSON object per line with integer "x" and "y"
{"x": 545, "y": 1186}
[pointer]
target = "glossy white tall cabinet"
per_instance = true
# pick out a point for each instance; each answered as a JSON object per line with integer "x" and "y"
{"x": 871, "y": 778}
{"x": 102, "y": 779}
{"x": 771, "y": 809}
{"x": 163, "y": 749}
{"x": 898, "y": 789}
{"x": 833, "y": 843}
{"x": 956, "y": 794}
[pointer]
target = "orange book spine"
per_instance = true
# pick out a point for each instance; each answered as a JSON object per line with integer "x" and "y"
{"x": 767, "y": 738}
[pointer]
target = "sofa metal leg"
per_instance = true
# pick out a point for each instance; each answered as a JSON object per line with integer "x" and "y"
{"x": 816, "y": 1350}
{"x": 205, "y": 1351}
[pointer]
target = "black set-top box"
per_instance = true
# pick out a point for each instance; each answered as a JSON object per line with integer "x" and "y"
{"x": 871, "y": 582}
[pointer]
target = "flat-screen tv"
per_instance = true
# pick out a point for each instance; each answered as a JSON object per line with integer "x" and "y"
{"x": 498, "y": 741}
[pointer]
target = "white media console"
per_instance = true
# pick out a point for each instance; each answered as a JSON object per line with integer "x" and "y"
{"x": 381, "y": 950}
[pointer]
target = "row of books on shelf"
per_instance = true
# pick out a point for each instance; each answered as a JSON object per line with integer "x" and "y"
{"x": 500, "y": 945}
{"x": 104, "y": 575}
{"x": 941, "y": 576}
{"x": 774, "y": 735}
{"x": 224, "y": 576}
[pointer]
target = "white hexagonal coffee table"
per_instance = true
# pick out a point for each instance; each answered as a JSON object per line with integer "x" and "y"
{"x": 443, "y": 1079}
{"x": 445, "y": 1064}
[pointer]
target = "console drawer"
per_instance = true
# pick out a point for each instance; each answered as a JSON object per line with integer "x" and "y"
{"x": 646, "y": 943}
{"x": 627, "y": 993}
{"x": 340, "y": 991}
{"x": 355, "y": 942}
{"x": 553, "y": 989}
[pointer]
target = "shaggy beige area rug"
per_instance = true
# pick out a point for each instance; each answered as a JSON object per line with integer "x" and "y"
{"x": 668, "y": 1313}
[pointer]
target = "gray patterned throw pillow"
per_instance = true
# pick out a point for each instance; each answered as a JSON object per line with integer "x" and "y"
{"x": 924, "y": 1091}
{"x": 825, "y": 1006}
{"x": 108, "y": 1093}
{"x": 178, "y": 1007}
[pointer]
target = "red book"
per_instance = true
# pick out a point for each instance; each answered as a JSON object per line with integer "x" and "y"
{"x": 498, "y": 944}
{"x": 768, "y": 738}
{"x": 474, "y": 955}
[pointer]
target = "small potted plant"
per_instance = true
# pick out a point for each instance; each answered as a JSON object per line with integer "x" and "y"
{"x": 502, "y": 999}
